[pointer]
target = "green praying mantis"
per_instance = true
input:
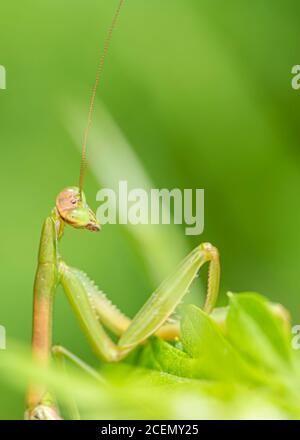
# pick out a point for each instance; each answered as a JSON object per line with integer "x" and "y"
{"x": 92, "y": 308}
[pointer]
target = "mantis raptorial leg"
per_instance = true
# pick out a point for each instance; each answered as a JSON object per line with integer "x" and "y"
{"x": 86, "y": 303}
{"x": 91, "y": 307}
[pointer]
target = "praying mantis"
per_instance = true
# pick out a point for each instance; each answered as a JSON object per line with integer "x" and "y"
{"x": 92, "y": 307}
{"x": 93, "y": 310}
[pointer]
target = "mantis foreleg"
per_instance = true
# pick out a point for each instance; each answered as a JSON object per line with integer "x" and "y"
{"x": 77, "y": 291}
{"x": 86, "y": 300}
{"x": 165, "y": 299}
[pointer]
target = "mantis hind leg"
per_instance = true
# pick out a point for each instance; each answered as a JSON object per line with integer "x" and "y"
{"x": 90, "y": 305}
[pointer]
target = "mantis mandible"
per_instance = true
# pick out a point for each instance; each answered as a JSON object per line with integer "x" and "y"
{"x": 93, "y": 309}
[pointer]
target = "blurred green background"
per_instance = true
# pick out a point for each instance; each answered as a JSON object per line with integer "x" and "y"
{"x": 201, "y": 91}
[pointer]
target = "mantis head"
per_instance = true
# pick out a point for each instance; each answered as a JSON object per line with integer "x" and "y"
{"x": 73, "y": 209}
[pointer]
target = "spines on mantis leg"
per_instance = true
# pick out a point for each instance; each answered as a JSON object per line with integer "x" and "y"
{"x": 108, "y": 313}
{"x": 78, "y": 293}
{"x": 44, "y": 289}
{"x": 112, "y": 317}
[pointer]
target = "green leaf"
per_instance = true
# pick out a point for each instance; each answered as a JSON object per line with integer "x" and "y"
{"x": 171, "y": 360}
{"x": 257, "y": 332}
{"x": 216, "y": 357}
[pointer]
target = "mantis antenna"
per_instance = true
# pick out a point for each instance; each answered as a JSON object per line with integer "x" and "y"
{"x": 94, "y": 91}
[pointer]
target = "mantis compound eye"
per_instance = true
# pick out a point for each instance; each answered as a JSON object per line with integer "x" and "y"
{"x": 73, "y": 209}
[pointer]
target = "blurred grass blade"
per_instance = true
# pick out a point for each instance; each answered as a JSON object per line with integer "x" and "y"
{"x": 112, "y": 159}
